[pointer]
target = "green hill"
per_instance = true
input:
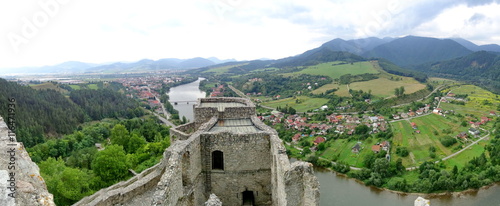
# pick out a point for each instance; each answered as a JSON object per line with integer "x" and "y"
{"x": 412, "y": 50}
{"x": 480, "y": 68}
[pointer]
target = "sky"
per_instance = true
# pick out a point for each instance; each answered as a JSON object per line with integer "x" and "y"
{"x": 49, "y": 32}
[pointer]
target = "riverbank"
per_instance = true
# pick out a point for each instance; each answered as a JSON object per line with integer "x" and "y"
{"x": 456, "y": 194}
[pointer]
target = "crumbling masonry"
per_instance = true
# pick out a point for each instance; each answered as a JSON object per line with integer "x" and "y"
{"x": 226, "y": 156}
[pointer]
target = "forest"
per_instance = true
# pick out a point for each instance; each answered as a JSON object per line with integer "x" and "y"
{"x": 46, "y": 113}
{"x": 73, "y": 167}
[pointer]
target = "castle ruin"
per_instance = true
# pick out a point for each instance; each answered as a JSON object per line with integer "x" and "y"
{"x": 226, "y": 156}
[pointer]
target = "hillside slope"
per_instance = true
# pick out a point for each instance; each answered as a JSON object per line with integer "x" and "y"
{"x": 412, "y": 50}
{"x": 480, "y": 68}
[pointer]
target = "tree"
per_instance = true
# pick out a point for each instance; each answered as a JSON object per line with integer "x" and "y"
{"x": 74, "y": 184}
{"x": 361, "y": 129}
{"x": 119, "y": 135}
{"x": 402, "y": 151}
{"x": 135, "y": 143}
{"x": 110, "y": 164}
{"x": 397, "y": 92}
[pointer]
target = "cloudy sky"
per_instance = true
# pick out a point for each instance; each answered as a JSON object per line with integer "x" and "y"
{"x": 48, "y": 32}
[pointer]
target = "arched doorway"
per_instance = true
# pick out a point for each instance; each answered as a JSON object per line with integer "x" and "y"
{"x": 248, "y": 198}
{"x": 217, "y": 160}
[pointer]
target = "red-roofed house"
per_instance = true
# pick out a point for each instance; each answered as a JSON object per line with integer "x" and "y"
{"x": 376, "y": 148}
{"x": 296, "y": 137}
{"x": 319, "y": 140}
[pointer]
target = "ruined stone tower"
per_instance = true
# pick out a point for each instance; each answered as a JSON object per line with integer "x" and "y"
{"x": 228, "y": 155}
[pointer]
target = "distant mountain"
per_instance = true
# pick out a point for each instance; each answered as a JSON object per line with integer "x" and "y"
{"x": 480, "y": 68}
{"x": 473, "y": 47}
{"x": 142, "y": 65}
{"x": 355, "y": 46}
{"x": 412, "y": 50}
{"x": 316, "y": 56}
{"x": 151, "y": 65}
{"x": 195, "y": 63}
{"x": 219, "y": 61}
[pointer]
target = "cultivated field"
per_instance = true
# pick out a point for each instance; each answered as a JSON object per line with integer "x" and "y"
{"x": 432, "y": 127}
{"x": 302, "y": 105}
{"x": 480, "y": 101}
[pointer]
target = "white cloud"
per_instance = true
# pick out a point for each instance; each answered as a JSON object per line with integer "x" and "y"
{"x": 115, "y": 30}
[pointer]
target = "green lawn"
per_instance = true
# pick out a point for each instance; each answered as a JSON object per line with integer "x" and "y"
{"x": 304, "y": 103}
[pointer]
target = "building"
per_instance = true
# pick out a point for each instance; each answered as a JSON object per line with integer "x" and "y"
{"x": 225, "y": 155}
{"x": 474, "y": 131}
{"x": 356, "y": 148}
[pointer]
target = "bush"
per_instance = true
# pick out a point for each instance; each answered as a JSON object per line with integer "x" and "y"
{"x": 448, "y": 141}
{"x": 402, "y": 151}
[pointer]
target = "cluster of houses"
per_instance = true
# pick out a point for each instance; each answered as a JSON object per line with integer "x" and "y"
{"x": 342, "y": 124}
{"x": 376, "y": 148}
{"x": 144, "y": 87}
{"x": 217, "y": 91}
{"x": 153, "y": 82}
{"x": 411, "y": 113}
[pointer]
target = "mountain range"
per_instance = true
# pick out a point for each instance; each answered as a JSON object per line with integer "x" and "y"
{"x": 117, "y": 67}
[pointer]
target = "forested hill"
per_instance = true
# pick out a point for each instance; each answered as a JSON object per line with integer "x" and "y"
{"x": 102, "y": 103}
{"x": 39, "y": 112}
{"x": 317, "y": 56}
{"x": 480, "y": 68}
{"x": 45, "y": 113}
{"x": 412, "y": 50}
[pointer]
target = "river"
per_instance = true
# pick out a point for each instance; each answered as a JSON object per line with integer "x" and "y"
{"x": 338, "y": 190}
{"x": 186, "y": 92}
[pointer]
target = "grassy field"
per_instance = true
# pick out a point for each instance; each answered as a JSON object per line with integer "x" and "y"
{"x": 381, "y": 87}
{"x": 340, "y": 150}
{"x": 480, "y": 101}
{"x": 431, "y": 129}
{"x": 326, "y": 87}
{"x": 334, "y": 70}
{"x": 304, "y": 103}
{"x": 75, "y": 87}
{"x": 92, "y": 86}
{"x": 47, "y": 85}
{"x": 223, "y": 69}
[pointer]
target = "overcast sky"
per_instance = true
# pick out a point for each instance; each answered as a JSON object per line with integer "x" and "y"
{"x": 48, "y": 32}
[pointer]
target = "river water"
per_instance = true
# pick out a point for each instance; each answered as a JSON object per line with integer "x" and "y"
{"x": 338, "y": 190}
{"x": 186, "y": 95}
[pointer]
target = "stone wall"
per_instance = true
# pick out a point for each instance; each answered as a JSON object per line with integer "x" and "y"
{"x": 19, "y": 176}
{"x": 254, "y": 162}
{"x": 182, "y": 132}
{"x": 203, "y": 114}
{"x": 247, "y": 166}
